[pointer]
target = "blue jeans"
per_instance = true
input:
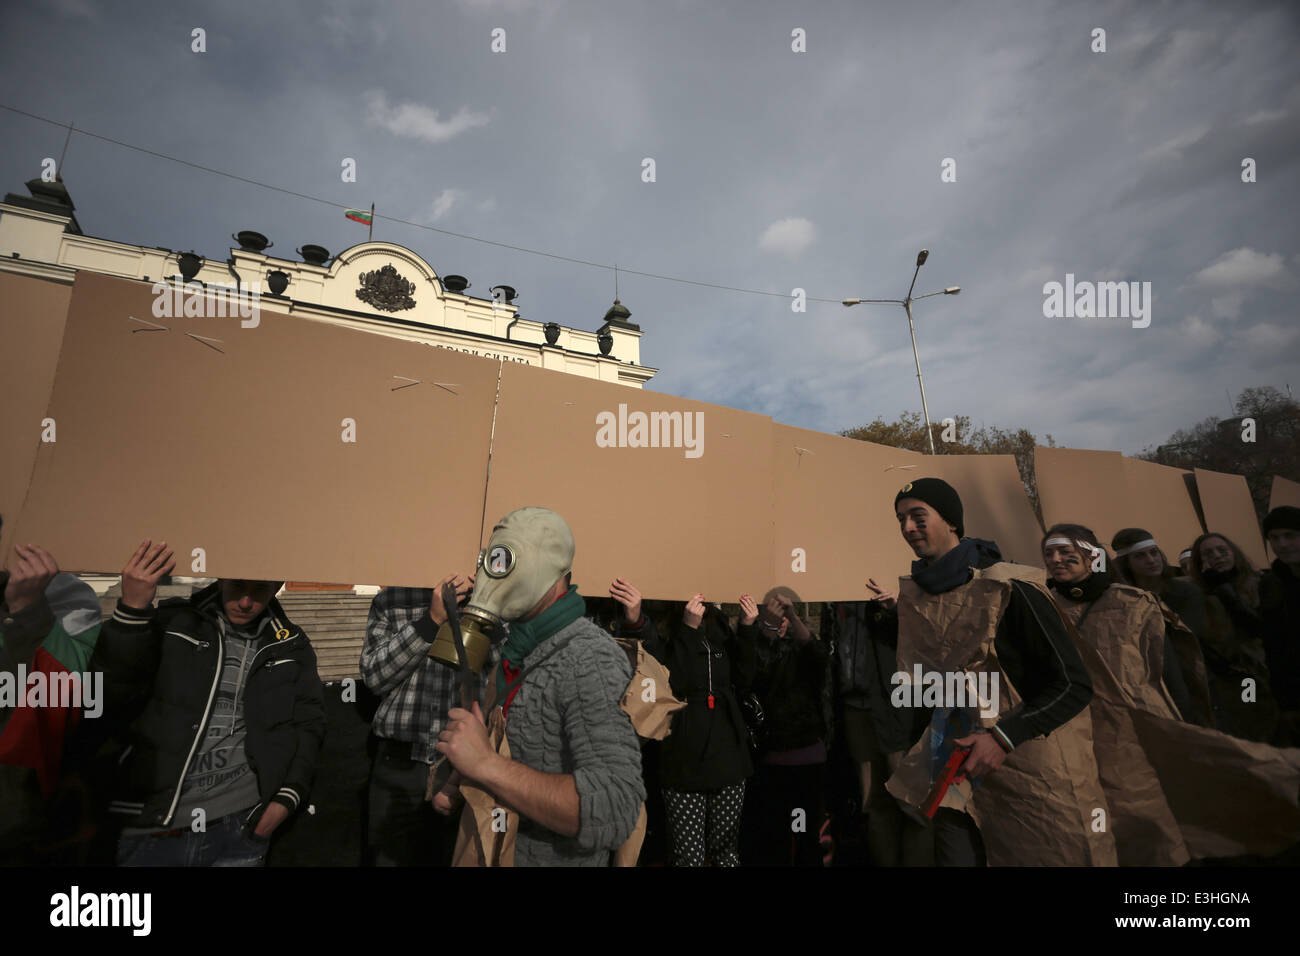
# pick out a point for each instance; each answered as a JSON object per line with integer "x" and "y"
{"x": 226, "y": 842}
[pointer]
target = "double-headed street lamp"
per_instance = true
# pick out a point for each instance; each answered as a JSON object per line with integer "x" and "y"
{"x": 907, "y": 307}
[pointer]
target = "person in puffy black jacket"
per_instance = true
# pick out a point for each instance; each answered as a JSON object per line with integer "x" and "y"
{"x": 225, "y": 712}
{"x": 705, "y": 759}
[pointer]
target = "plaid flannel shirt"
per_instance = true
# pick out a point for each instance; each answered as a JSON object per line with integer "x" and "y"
{"x": 416, "y": 691}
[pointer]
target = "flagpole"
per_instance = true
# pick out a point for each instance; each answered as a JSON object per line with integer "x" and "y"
{"x": 372, "y": 223}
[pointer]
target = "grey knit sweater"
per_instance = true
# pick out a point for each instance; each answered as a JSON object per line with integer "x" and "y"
{"x": 566, "y": 719}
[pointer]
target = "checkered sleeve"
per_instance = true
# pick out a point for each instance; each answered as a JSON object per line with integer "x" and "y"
{"x": 395, "y": 644}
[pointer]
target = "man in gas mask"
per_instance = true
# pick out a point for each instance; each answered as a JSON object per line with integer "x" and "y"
{"x": 571, "y": 769}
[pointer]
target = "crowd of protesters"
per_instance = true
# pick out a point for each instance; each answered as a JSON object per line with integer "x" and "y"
{"x": 786, "y": 744}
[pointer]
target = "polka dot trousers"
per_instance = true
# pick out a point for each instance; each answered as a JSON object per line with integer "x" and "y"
{"x": 704, "y": 824}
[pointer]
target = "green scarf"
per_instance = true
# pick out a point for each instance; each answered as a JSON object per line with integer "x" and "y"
{"x": 526, "y": 635}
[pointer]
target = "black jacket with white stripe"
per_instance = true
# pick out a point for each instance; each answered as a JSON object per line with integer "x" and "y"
{"x": 161, "y": 670}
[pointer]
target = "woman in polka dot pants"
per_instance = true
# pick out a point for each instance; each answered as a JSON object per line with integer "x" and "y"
{"x": 705, "y": 758}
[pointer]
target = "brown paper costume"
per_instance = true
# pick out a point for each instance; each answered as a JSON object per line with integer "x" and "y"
{"x": 649, "y": 700}
{"x": 1230, "y": 796}
{"x": 1121, "y": 641}
{"x": 1040, "y": 808}
{"x": 1177, "y": 791}
{"x": 487, "y": 830}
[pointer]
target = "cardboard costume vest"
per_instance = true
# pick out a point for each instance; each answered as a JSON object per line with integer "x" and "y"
{"x": 1040, "y": 807}
{"x": 1122, "y": 643}
{"x": 488, "y": 831}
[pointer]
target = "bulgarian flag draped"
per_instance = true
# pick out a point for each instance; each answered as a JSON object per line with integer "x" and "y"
{"x": 361, "y": 216}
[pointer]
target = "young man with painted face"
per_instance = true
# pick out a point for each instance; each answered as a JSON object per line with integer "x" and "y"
{"x": 963, "y": 610}
{"x": 1279, "y": 606}
{"x": 1121, "y": 635}
{"x": 573, "y": 773}
{"x": 226, "y": 717}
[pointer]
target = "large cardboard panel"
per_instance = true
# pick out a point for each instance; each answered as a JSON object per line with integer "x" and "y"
{"x": 834, "y": 500}
{"x": 671, "y": 521}
{"x": 1106, "y": 492}
{"x": 1283, "y": 492}
{"x": 32, "y": 316}
{"x": 994, "y": 503}
{"x": 1083, "y": 487}
{"x": 235, "y": 445}
{"x": 1230, "y": 510}
{"x": 1159, "y": 501}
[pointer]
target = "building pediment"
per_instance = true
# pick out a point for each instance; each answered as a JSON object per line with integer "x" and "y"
{"x": 387, "y": 279}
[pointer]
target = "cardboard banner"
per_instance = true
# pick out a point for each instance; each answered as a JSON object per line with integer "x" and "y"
{"x": 285, "y": 447}
{"x": 671, "y": 494}
{"x": 994, "y": 503}
{"x": 1160, "y": 501}
{"x": 1283, "y": 492}
{"x": 1229, "y": 509}
{"x": 1107, "y": 492}
{"x": 291, "y": 448}
{"x": 1084, "y": 487}
{"x": 833, "y": 514}
{"x": 32, "y": 317}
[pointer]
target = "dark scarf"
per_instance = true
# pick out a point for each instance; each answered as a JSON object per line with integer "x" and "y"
{"x": 525, "y": 636}
{"x": 1089, "y": 589}
{"x": 1217, "y": 579}
{"x": 954, "y": 568}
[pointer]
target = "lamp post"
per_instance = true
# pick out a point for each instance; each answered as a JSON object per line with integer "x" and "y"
{"x": 907, "y": 307}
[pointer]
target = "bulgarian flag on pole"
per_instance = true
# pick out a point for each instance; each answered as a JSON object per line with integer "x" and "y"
{"x": 363, "y": 217}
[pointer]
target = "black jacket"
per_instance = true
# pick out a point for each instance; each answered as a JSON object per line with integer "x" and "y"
{"x": 161, "y": 669}
{"x": 1279, "y": 608}
{"x": 865, "y": 637}
{"x": 707, "y": 748}
{"x": 789, "y": 680}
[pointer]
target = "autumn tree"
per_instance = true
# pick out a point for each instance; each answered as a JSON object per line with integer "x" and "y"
{"x": 1261, "y": 441}
{"x": 956, "y": 437}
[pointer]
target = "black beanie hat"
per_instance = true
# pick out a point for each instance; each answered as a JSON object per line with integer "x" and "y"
{"x": 1286, "y": 516}
{"x": 939, "y": 495}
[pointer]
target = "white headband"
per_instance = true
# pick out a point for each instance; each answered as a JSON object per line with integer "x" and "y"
{"x": 1083, "y": 547}
{"x": 1185, "y": 554}
{"x": 1140, "y": 546}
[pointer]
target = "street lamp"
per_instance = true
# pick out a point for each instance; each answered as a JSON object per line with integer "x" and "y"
{"x": 907, "y": 307}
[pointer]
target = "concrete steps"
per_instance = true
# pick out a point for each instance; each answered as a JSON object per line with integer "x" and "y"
{"x": 335, "y": 623}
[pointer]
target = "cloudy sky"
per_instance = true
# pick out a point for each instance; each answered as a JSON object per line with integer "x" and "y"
{"x": 773, "y": 170}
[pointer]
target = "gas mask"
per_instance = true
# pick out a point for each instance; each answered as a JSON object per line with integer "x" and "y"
{"x": 530, "y": 549}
